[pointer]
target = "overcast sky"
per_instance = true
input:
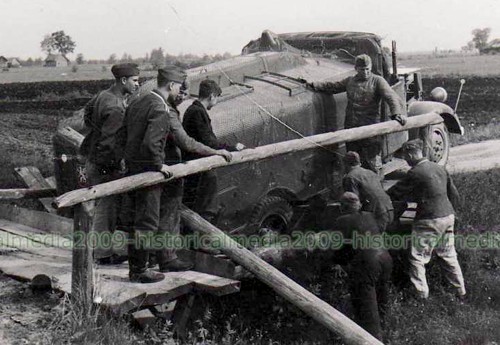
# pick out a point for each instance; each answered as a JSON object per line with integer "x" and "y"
{"x": 103, "y": 27}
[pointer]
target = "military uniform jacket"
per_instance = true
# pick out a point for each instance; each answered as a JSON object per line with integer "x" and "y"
{"x": 359, "y": 253}
{"x": 104, "y": 115}
{"x": 366, "y": 185}
{"x": 431, "y": 187}
{"x": 149, "y": 121}
{"x": 198, "y": 125}
{"x": 363, "y": 98}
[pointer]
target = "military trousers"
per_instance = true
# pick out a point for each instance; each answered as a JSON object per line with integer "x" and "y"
{"x": 201, "y": 194}
{"x": 156, "y": 225}
{"x": 369, "y": 278}
{"x": 105, "y": 214}
{"x": 434, "y": 235}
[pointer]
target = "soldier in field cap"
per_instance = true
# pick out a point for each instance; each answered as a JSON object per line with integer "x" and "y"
{"x": 104, "y": 116}
{"x": 367, "y": 186}
{"x": 431, "y": 187}
{"x": 365, "y": 91}
{"x": 150, "y": 122}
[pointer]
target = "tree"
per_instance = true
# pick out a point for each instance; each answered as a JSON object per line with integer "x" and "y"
{"x": 112, "y": 59}
{"x": 79, "y": 59}
{"x": 157, "y": 58}
{"x": 58, "y": 41}
{"x": 480, "y": 37}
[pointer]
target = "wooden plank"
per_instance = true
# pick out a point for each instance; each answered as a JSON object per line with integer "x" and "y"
{"x": 144, "y": 318}
{"x": 207, "y": 263}
{"x": 272, "y": 150}
{"x": 33, "y": 178}
{"x": 25, "y": 244}
{"x": 214, "y": 285}
{"x": 319, "y": 310}
{"x": 23, "y": 269}
{"x": 47, "y": 222}
{"x": 182, "y": 312}
{"x": 26, "y": 193}
{"x": 119, "y": 295}
{"x": 51, "y": 181}
{"x": 35, "y": 235}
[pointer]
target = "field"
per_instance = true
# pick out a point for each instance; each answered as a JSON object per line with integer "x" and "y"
{"x": 258, "y": 315}
{"x": 456, "y": 65}
{"x": 83, "y": 72}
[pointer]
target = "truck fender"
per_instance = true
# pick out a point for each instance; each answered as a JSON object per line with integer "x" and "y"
{"x": 449, "y": 116}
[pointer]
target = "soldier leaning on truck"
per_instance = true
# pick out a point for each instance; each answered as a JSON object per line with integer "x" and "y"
{"x": 364, "y": 94}
{"x": 201, "y": 188}
{"x": 431, "y": 187}
{"x": 366, "y": 185}
{"x": 104, "y": 116}
{"x": 149, "y": 122}
{"x": 369, "y": 269}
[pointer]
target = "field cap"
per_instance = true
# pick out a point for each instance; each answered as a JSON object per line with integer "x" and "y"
{"x": 208, "y": 87}
{"x": 352, "y": 158}
{"x": 171, "y": 73}
{"x": 413, "y": 145}
{"x": 362, "y": 60}
{"x": 349, "y": 198}
{"x": 125, "y": 70}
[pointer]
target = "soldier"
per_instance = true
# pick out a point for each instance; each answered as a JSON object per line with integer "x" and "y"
{"x": 366, "y": 185}
{"x": 201, "y": 188}
{"x": 364, "y": 94}
{"x": 431, "y": 187}
{"x": 104, "y": 116}
{"x": 369, "y": 269}
{"x": 150, "y": 122}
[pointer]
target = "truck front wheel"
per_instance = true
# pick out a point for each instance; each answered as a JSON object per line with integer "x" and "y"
{"x": 436, "y": 143}
{"x": 272, "y": 213}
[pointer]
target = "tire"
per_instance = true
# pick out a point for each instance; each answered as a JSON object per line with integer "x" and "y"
{"x": 436, "y": 143}
{"x": 273, "y": 213}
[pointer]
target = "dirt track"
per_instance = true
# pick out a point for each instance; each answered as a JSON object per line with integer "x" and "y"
{"x": 474, "y": 157}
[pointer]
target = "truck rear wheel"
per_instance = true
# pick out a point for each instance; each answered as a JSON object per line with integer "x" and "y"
{"x": 436, "y": 143}
{"x": 272, "y": 213}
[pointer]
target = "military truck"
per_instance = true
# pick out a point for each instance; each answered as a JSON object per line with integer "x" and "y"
{"x": 264, "y": 100}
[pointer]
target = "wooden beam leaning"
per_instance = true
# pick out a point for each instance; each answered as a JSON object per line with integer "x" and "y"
{"x": 313, "y": 306}
{"x": 180, "y": 170}
{"x": 32, "y": 177}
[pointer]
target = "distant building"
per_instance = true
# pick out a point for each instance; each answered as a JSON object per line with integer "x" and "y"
{"x": 56, "y": 60}
{"x": 13, "y": 63}
{"x": 493, "y": 47}
{"x": 3, "y": 61}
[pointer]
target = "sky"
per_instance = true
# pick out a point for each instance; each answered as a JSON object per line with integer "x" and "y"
{"x": 103, "y": 27}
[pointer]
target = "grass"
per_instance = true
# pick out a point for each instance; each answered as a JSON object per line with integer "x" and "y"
{"x": 475, "y": 134}
{"x": 454, "y": 65}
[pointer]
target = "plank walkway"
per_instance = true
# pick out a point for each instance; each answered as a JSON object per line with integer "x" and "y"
{"x": 26, "y": 252}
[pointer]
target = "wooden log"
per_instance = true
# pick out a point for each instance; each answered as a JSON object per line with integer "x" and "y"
{"x": 284, "y": 286}
{"x": 26, "y": 193}
{"x": 32, "y": 177}
{"x": 180, "y": 170}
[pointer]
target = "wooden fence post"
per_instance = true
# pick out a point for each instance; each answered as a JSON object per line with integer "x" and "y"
{"x": 82, "y": 269}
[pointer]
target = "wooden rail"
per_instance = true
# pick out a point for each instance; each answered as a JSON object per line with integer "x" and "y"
{"x": 184, "y": 169}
